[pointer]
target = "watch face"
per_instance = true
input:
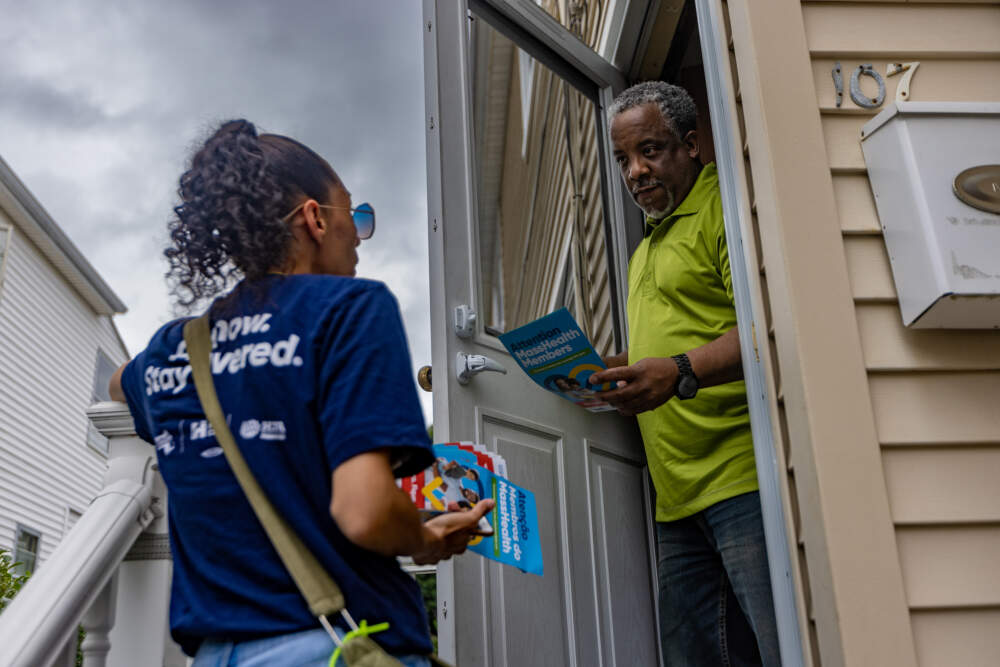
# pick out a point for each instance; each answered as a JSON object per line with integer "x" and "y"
{"x": 687, "y": 387}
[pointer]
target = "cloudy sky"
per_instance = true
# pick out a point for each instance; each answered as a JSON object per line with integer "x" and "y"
{"x": 102, "y": 102}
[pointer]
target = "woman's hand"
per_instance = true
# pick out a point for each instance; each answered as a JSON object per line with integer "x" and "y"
{"x": 448, "y": 534}
{"x": 375, "y": 514}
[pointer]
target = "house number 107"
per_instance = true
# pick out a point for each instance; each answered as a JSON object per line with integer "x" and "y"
{"x": 858, "y": 95}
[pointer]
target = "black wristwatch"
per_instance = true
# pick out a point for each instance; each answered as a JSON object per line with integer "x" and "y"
{"x": 687, "y": 381}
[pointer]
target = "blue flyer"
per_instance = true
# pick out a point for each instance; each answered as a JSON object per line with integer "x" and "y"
{"x": 456, "y": 478}
{"x": 557, "y": 355}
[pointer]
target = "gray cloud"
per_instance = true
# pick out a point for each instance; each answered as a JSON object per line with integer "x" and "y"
{"x": 44, "y": 103}
{"x": 101, "y": 103}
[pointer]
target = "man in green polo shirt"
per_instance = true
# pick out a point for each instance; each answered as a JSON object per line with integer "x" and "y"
{"x": 682, "y": 378}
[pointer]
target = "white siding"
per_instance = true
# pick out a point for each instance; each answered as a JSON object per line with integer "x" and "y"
{"x": 49, "y": 338}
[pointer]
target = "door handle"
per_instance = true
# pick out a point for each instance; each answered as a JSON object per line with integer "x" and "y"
{"x": 467, "y": 365}
{"x": 425, "y": 378}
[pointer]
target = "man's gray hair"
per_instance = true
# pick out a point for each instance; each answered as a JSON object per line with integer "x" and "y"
{"x": 674, "y": 102}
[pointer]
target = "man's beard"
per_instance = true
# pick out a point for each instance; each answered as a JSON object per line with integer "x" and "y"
{"x": 655, "y": 214}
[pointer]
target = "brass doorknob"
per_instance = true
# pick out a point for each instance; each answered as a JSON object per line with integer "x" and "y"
{"x": 424, "y": 378}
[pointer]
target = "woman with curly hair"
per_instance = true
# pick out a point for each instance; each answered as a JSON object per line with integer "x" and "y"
{"x": 312, "y": 370}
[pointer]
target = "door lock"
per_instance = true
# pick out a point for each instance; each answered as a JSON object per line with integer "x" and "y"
{"x": 467, "y": 365}
{"x": 465, "y": 321}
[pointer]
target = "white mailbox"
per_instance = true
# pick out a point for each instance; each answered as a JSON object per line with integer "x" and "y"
{"x": 934, "y": 168}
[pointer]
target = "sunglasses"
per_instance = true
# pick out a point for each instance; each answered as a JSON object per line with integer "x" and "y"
{"x": 362, "y": 214}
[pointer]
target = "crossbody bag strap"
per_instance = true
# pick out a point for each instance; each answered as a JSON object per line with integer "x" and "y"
{"x": 320, "y": 591}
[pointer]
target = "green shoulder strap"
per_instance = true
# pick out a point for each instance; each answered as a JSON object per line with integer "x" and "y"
{"x": 320, "y": 591}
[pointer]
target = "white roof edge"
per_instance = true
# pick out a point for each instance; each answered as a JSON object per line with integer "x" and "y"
{"x": 899, "y": 108}
{"x": 38, "y": 225}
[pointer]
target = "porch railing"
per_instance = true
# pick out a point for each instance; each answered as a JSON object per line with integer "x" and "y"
{"x": 110, "y": 574}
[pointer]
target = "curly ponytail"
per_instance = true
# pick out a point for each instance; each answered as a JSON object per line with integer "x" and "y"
{"x": 233, "y": 196}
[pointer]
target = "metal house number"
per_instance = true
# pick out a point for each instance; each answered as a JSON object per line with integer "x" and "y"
{"x": 859, "y": 97}
{"x": 856, "y": 93}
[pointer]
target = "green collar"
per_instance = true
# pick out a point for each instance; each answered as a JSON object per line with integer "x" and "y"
{"x": 706, "y": 183}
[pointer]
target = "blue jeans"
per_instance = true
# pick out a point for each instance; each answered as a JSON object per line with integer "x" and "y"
{"x": 715, "y": 589}
{"x": 311, "y": 648}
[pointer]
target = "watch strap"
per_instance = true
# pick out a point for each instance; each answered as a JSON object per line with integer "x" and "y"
{"x": 687, "y": 381}
{"x": 684, "y": 365}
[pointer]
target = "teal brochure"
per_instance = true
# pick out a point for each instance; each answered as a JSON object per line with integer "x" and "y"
{"x": 557, "y": 355}
{"x": 456, "y": 477}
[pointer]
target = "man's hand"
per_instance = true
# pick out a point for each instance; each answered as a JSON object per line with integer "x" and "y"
{"x": 448, "y": 534}
{"x": 616, "y": 360}
{"x": 645, "y": 385}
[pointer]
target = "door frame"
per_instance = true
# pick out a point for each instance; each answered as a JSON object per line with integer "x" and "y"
{"x": 749, "y": 310}
{"x": 450, "y": 177}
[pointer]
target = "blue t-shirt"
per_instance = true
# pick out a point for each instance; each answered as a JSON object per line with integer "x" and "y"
{"x": 310, "y": 371}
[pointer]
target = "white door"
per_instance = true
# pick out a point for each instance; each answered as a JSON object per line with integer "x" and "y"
{"x": 523, "y": 219}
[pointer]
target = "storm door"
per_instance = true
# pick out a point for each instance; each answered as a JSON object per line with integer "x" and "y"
{"x": 526, "y": 216}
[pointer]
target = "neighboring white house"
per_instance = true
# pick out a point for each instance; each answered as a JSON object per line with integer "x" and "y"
{"x": 58, "y": 348}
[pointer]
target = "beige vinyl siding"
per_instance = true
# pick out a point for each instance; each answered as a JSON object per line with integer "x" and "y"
{"x": 540, "y": 189}
{"x": 956, "y": 636}
{"x": 49, "y": 339}
{"x": 537, "y": 219}
{"x": 853, "y": 595}
{"x": 537, "y": 203}
{"x": 933, "y": 393}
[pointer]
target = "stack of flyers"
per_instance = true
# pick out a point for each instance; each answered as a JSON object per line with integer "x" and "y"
{"x": 465, "y": 473}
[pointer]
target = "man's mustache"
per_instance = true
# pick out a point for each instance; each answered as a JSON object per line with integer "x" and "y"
{"x": 644, "y": 184}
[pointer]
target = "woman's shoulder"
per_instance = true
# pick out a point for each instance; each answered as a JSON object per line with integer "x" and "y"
{"x": 165, "y": 341}
{"x": 348, "y": 284}
{"x": 331, "y": 291}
